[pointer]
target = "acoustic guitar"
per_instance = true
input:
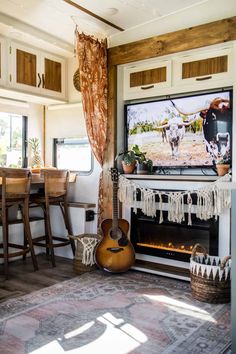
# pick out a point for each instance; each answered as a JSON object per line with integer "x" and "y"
{"x": 115, "y": 252}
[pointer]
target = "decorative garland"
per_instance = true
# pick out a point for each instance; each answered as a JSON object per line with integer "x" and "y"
{"x": 211, "y": 200}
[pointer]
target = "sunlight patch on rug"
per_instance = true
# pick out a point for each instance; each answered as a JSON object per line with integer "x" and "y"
{"x": 182, "y": 307}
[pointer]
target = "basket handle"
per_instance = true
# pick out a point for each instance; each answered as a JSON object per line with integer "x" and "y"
{"x": 194, "y": 250}
{"x": 224, "y": 261}
{"x": 79, "y": 237}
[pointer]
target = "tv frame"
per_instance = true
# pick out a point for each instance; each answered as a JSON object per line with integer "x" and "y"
{"x": 174, "y": 168}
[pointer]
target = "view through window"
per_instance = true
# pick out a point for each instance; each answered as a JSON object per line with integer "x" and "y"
{"x": 73, "y": 154}
{"x": 12, "y": 140}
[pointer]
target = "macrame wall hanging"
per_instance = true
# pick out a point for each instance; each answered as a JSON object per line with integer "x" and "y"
{"x": 212, "y": 199}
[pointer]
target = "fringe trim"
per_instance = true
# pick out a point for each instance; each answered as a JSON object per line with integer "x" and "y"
{"x": 211, "y": 200}
{"x": 209, "y": 267}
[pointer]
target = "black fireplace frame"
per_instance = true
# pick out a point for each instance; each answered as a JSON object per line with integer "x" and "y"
{"x": 210, "y": 225}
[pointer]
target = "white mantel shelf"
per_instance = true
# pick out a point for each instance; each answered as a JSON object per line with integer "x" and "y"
{"x": 167, "y": 177}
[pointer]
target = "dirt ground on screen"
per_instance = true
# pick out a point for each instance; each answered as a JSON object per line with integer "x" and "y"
{"x": 192, "y": 150}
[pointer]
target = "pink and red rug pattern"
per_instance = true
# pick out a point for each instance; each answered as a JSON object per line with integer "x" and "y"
{"x": 128, "y": 313}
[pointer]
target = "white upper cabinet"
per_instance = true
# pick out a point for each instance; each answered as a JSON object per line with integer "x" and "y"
{"x": 34, "y": 71}
{"x": 206, "y": 68}
{"x": 198, "y": 69}
{"x": 3, "y": 61}
{"x": 146, "y": 80}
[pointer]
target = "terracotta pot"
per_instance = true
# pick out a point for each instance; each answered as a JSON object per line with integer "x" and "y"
{"x": 128, "y": 169}
{"x": 222, "y": 169}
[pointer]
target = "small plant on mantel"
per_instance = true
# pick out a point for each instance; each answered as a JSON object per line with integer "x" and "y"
{"x": 223, "y": 166}
{"x": 128, "y": 161}
{"x": 144, "y": 165}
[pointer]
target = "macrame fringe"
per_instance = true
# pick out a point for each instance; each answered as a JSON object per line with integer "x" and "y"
{"x": 211, "y": 200}
{"x": 89, "y": 244}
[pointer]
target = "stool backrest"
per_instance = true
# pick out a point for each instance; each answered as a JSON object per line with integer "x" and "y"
{"x": 15, "y": 182}
{"x": 55, "y": 182}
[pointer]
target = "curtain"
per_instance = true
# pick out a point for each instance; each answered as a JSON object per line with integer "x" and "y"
{"x": 92, "y": 57}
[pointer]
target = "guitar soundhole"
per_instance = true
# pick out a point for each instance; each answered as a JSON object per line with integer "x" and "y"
{"x": 119, "y": 236}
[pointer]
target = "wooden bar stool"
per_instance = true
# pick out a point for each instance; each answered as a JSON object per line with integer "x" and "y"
{"x": 55, "y": 193}
{"x": 15, "y": 191}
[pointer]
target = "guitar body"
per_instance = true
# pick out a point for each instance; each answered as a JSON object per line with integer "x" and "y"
{"x": 115, "y": 252}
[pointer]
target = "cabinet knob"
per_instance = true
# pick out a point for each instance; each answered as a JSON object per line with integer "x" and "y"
{"x": 43, "y": 78}
{"x": 147, "y": 87}
{"x": 203, "y": 78}
{"x": 39, "y": 80}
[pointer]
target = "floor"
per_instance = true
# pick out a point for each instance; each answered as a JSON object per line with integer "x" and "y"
{"x": 23, "y": 280}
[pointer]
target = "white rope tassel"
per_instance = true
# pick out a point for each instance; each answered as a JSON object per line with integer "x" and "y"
{"x": 88, "y": 250}
{"x": 211, "y": 200}
{"x": 190, "y": 202}
{"x": 160, "y": 208}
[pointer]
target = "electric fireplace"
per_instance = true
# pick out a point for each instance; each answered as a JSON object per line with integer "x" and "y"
{"x": 172, "y": 240}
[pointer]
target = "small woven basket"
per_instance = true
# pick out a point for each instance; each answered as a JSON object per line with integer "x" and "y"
{"x": 210, "y": 277}
{"x": 78, "y": 266}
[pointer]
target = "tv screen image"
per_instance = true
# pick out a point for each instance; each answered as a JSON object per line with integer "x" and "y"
{"x": 190, "y": 131}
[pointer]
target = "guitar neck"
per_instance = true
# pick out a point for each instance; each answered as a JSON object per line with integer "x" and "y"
{"x": 115, "y": 207}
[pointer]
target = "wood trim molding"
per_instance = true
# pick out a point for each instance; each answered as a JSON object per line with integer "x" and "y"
{"x": 169, "y": 43}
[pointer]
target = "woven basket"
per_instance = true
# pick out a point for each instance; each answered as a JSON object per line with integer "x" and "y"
{"x": 78, "y": 266}
{"x": 210, "y": 277}
{"x": 76, "y": 80}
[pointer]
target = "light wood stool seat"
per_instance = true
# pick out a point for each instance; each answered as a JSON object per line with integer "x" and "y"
{"x": 55, "y": 193}
{"x": 15, "y": 191}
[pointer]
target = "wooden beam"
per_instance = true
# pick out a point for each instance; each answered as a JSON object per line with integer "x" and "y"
{"x": 90, "y": 13}
{"x": 186, "y": 39}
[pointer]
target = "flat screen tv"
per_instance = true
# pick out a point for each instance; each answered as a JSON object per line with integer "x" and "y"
{"x": 184, "y": 131}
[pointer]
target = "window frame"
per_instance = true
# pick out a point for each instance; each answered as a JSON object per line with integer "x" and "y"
{"x": 24, "y": 137}
{"x": 76, "y": 141}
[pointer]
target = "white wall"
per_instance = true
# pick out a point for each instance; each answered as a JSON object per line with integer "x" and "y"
{"x": 69, "y": 123}
{"x": 207, "y": 11}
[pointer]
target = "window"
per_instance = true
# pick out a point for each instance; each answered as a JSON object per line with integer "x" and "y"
{"x": 73, "y": 154}
{"x": 13, "y": 137}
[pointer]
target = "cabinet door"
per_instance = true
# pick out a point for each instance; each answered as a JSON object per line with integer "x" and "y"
{"x": 53, "y": 75}
{"x": 25, "y": 68}
{"x": 3, "y": 62}
{"x": 146, "y": 80}
{"x": 205, "y": 68}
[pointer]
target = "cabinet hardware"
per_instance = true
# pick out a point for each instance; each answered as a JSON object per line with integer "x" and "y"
{"x": 147, "y": 87}
{"x": 10, "y": 49}
{"x": 43, "y": 78}
{"x": 203, "y": 78}
{"x": 10, "y": 77}
{"x": 39, "y": 80}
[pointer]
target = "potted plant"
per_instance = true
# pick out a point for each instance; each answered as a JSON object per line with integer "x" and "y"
{"x": 144, "y": 165}
{"x": 222, "y": 166}
{"x": 128, "y": 161}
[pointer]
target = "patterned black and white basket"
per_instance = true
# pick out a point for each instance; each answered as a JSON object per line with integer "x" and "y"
{"x": 210, "y": 277}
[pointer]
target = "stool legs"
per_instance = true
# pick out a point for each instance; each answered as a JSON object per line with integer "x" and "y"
{"x": 5, "y": 241}
{"x": 65, "y": 213}
{"x": 25, "y": 215}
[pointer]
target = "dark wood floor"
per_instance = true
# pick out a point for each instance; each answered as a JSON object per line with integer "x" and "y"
{"x": 23, "y": 280}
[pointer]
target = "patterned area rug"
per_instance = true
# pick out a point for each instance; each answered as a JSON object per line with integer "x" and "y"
{"x": 113, "y": 314}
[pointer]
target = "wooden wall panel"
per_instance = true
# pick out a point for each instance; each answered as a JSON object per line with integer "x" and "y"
{"x": 26, "y": 68}
{"x": 52, "y": 73}
{"x": 147, "y": 77}
{"x": 111, "y": 142}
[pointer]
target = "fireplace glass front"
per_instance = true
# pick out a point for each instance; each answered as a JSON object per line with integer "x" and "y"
{"x": 172, "y": 240}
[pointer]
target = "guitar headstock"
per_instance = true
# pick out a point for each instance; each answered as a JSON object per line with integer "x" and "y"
{"x": 114, "y": 174}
